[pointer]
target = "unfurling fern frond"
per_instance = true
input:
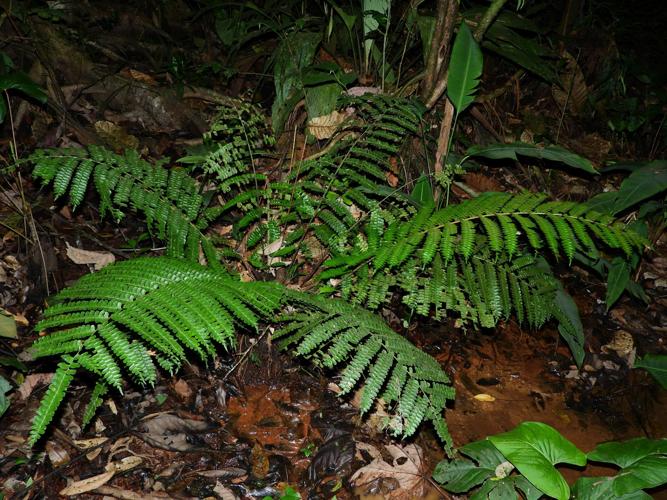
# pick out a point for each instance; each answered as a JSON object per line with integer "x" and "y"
{"x": 130, "y": 314}
{"x": 174, "y": 208}
{"x": 332, "y": 333}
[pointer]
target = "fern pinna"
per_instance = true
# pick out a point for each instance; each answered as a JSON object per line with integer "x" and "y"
{"x": 173, "y": 205}
{"x": 134, "y": 313}
{"x": 331, "y": 333}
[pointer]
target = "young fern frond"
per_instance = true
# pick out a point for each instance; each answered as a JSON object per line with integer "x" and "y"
{"x": 170, "y": 306}
{"x": 332, "y": 333}
{"x": 170, "y": 201}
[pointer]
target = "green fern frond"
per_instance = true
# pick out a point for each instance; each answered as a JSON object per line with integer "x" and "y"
{"x": 62, "y": 378}
{"x": 169, "y": 306}
{"x": 169, "y": 199}
{"x": 333, "y": 333}
{"x": 96, "y": 400}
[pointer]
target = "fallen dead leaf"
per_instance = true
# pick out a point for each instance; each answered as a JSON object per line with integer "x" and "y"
{"x": 405, "y": 469}
{"x": 31, "y": 381}
{"x": 88, "y": 484}
{"x": 97, "y": 259}
{"x": 324, "y": 127}
{"x": 182, "y": 389}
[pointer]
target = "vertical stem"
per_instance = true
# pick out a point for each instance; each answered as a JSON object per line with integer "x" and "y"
{"x": 488, "y": 18}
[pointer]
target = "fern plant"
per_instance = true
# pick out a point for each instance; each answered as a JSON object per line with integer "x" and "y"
{"x": 134, "y": 314}
{"x": 327, "y": 195}
{"x": 174, "y": 206}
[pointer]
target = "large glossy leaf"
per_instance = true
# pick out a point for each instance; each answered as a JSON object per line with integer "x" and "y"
{"x": 534, "y": 448}
{"x": 373, "y": 11}
{"x": 643, "y": 463}
{"x": 18, "y": 80}
{"x": 422, "y": 193}
{"x": 600, "y": 488}
{"x": 465, "y": 69}
{"x": 642, "y": 184}
{"x": 656, "y": 365}
{"x": 522, "y": 51}
{"x": 461, "y": 475}
{"x": 551, "y": 153}
{"x": 626, "y": 453}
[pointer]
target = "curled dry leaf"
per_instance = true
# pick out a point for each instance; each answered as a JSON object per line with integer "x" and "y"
{"x": 97, "y": 259}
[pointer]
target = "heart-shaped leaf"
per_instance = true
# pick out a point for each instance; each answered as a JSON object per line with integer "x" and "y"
{"x": 534, "y": 448}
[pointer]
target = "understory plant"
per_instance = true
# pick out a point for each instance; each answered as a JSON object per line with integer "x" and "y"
{"x": 523, "y": 462}
{"x": 338, "y": 224}
{"x": 480, "y": 260}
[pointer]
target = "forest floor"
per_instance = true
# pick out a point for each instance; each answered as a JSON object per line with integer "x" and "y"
{"x": 254, "y": 421}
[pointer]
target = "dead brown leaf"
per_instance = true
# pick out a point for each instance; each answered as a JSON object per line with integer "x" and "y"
{"x": 405, "y": 469}
{"x": 97, "y": 259}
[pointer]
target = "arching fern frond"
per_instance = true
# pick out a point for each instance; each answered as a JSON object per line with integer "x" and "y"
{"x": 171, "y": 202}
{"x": 463, "y": 247}
{"x": 107, "y": 322}
{"x": 333, "y": 333}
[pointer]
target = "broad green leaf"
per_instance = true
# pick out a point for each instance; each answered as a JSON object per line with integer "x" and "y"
{"x": 372, "y": 11}
{"x": 534, "y": 448}
{"x": 648, "y": 472}
{"x": 7, "y": 326}
{"x": 5, "y": 387}
{"x": 14, "y": 362}
{"x": 459, "y": 476}
{"x": 617, "y": 280}
{"x": 641, "y": 185}
{"x": 656, "y": 365}
{"x": 321, "y": 99}
{"x": 348, "y": 19}
{"x": 569, "y": 324}
{"x": 465, "y": 69}
{"x": 625, "y": 453}
{"x": 525, "y": 52}
{"x": 484, "y": 453}
{"x": 530, "y": 492}
{"x": 20, "y": 81}
{"x": 426, "y": 26}
{"x": 600, "y": 488}
{"x": 551, "y": 153}
{"x": 3, "y": 109}
{"x": 422, "y": 193}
